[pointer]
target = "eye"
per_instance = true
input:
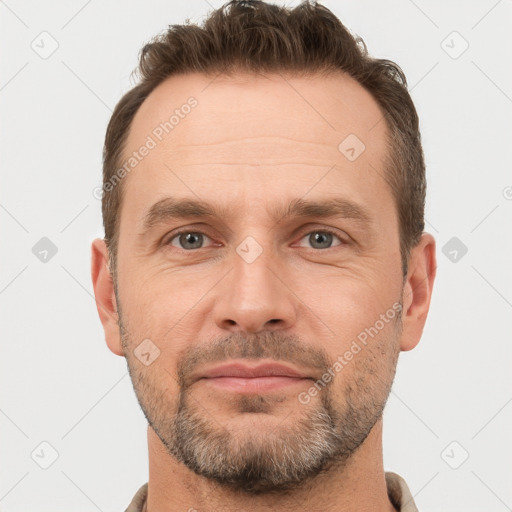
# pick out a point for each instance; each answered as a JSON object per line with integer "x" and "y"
{"x": 318, "y": 239}
{"x": 321, "y": 239}
{"x": 188, "y": 240}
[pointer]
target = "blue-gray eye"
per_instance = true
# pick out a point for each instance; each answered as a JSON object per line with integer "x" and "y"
{"x": 321, "y": 239}
{"x": 188, "y": 240}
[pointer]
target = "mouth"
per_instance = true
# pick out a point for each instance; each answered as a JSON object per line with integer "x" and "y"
{"x": 243, "y": 378}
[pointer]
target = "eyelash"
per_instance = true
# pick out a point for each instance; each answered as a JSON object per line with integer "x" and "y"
{"x": 323, "y": 230}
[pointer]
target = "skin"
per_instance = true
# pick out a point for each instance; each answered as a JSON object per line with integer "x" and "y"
{"x": 254, "y": 143}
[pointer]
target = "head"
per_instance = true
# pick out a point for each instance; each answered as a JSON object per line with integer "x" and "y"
{"x": 264, "y": 191}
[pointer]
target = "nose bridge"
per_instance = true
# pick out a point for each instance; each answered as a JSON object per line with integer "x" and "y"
{"x": 254, "y": 298}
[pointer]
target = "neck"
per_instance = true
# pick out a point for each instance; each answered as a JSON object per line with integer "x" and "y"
{"x": 358, "y": 485}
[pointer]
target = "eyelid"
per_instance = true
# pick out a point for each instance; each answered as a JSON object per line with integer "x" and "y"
{"x": 304, "y": 231}
{"x": 174, "y": 234}
{"x": 343, "y": 239}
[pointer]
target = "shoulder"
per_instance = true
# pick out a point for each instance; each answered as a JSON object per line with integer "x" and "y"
{"x": 139, "y": 500}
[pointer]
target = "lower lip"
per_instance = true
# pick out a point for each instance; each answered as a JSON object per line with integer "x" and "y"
{"x": 253, "y": 384}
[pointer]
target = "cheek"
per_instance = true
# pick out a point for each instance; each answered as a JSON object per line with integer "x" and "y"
{"x": 157, "y": 391}
{"x": 160, "y": 297}
{"x": 364, "y": 347}
{"x": 351, "y": 306}
{"x": 366, "y": 365}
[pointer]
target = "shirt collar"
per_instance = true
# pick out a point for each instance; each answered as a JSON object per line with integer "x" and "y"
{"x": 398, "y": 492}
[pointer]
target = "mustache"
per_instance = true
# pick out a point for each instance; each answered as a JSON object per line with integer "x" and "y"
{"x": 263, "y": 345}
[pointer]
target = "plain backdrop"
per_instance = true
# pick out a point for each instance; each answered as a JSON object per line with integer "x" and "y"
{"x": 64, "y": 65}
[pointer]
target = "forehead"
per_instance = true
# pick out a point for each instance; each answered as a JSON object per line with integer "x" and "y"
{"x": 317, "y": 108}
{"x": 255, "y": 135}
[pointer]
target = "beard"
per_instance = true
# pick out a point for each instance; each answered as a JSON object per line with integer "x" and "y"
{"x": 258, "y": 460}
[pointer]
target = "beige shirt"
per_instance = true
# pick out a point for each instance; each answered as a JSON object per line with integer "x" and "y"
{"x": 398, "y": 493}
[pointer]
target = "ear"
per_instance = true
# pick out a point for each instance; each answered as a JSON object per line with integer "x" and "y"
{"x": 105, "y": 296}
{"x": 418, "y": 290}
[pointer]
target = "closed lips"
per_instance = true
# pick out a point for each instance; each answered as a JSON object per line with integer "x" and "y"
{"x": 247, "y": 372}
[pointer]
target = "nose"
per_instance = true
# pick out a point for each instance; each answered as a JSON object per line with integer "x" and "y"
{"x": 253, "y": 298}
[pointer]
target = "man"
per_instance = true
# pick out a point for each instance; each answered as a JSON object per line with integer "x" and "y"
{"x": 264, "y": 260}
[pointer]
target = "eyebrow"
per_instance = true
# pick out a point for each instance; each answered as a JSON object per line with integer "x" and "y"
{"x": 170, "y": 208}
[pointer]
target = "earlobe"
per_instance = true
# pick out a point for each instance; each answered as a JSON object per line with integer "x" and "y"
{"x": 417, "y": 291}
{"x": 105, "y": 296}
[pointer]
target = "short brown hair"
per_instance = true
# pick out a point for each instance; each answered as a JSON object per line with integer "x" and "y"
{"x": 253, "y": 36}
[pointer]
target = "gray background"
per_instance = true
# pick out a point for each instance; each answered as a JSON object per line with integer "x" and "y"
{"x": 60, "y": 385}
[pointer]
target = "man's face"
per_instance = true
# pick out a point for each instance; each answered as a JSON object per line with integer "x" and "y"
{"x": 260, "y": 280}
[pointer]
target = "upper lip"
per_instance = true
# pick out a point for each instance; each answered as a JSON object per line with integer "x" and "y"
{"x": 246, "y": 371}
